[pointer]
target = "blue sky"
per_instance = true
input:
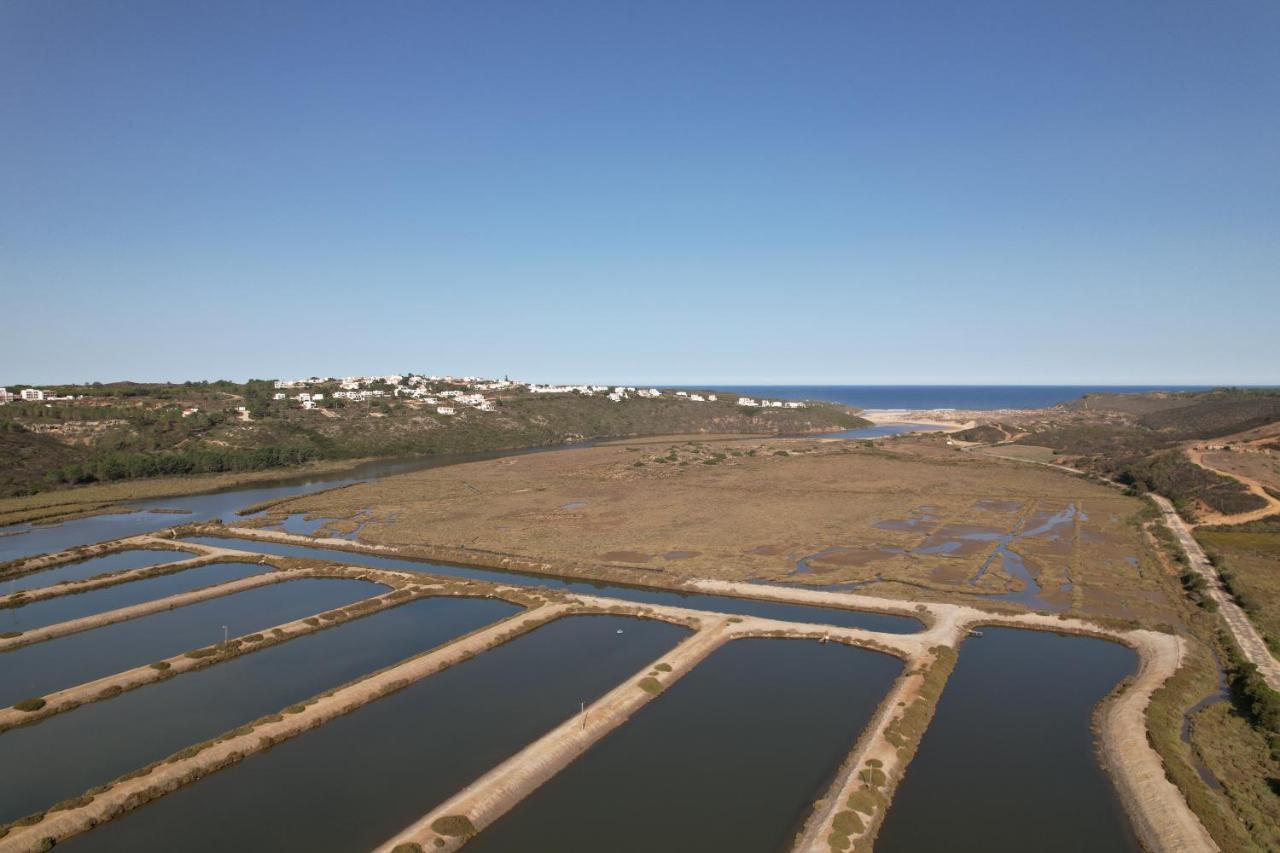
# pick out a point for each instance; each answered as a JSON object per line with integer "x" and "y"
{"x": 749, "y": 192}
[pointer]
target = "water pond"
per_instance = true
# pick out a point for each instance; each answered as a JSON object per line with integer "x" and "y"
{"x": 359, "y": 779}
{"x": 74, "y": 659}
{"x": 66, "y": 755}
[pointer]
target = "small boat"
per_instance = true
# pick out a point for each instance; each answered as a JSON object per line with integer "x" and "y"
{"x": 973, "y": 633}
{"x": 619, "y": 630}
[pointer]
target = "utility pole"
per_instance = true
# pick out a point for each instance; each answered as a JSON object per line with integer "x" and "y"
{"x": 224, "y": 636}
{"x": 584, "y": 716}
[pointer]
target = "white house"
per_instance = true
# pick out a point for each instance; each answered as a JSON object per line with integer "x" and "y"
{"x": 32, "y": 394}
{"x": 279, "y": 396}
{"x": 186, "y": 413}
{"x": 747, "y": 401}
{"x": 697, "y": 398}
{"x": 711, "y": 398}
{"x": 444, "y": 410}
{"x": 308, "y": 404}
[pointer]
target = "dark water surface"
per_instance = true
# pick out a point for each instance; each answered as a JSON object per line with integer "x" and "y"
{"x": 117, "y": 562}
{"x": 1008, "y": 764}
{"x": 67, "y": 607}
{"x": 67, "y": 661}
{"x": 67, "y": 754}
{"x": 725, "y": 604}
{"x": 731, "y": 757}
{"x": 359, "y": 779}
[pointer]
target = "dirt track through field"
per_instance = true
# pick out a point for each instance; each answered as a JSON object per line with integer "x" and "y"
{"x": 1196, "y": 455}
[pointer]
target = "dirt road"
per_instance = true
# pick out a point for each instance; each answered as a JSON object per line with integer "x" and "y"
{"x": 1245, "y": 634}
{"x": 1196, "y": 455}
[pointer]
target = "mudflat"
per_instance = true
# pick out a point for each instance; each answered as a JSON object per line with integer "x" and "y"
{"x": 919, "y": 520}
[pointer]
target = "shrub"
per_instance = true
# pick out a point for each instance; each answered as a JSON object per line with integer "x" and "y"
{"x": 453, "y": 825}
{"x": 863, "y": 800}
{"x": 312, "y": 621}
{"x": 408, "y": 847}
{"x": 848, "y": 823}
{"x": 29, "y": 704}
{"x": 196, "y": 654}
{"x": 9, "y": 635}
{"x": 663, "y": 667}
{"x": 160, "y": 665}
{"x": 650, "y": 685}
{"x": 873, "y": 776}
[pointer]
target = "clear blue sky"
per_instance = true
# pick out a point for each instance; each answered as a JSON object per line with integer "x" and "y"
{"x": 821, "y": 192}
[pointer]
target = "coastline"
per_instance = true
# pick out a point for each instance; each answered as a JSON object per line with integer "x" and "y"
{"x": 923, "y": 417}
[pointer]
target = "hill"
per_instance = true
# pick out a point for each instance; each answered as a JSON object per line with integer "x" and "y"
{"x": 128, "y": 431}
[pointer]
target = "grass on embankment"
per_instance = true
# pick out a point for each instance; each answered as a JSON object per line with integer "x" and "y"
{"x": 1236, "y": 740}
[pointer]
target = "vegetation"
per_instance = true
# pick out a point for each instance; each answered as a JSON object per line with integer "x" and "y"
{"x": 29, "y": 705}
{"x": 1137, "y": 440}
{"x": 985, "y": 433}
{"x": 453, "y": 825}
{"x": 650, "y": 684}
{"x": 1246, "y": 557}
{"x": 130, "y": 431}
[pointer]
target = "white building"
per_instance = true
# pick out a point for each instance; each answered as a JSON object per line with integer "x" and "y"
{"x": 279, "y": 395}
{"x": 747, "y": 401}
{"x": 308, "y": 404}
{"x": 444, "y": 410}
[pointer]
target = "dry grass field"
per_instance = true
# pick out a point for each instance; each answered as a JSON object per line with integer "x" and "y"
{"x": 1254, "y": 463}
{"x": 918, "y": 519}
{"x": 1250, "y": 559}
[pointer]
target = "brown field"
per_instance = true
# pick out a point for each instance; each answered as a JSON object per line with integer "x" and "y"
{"x": 1254, "y": 464}
{"x": 1027, "y": 452}
{"x": 1252, "y": 562}
{"x": 919, "y": 521}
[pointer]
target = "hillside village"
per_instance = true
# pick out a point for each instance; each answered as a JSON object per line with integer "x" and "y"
{"x": 448, "y": 394}
{"x": 65, "y": 435}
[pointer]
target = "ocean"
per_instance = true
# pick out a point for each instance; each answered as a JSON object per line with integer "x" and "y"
{"x": 984, "y": 397}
